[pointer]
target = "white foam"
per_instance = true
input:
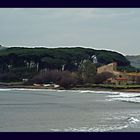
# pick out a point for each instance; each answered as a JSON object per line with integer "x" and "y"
{"x": 91, "y": 129}
{"x": 133, "y": 120}
{"x": 8, "y": 89}
{"x": 128, "y": 122}
{"x": 102, "y": 92}
{"x": 25, "y": 89}
{"x": 73, "y": 91}
{"x": 125, "y": 95}
{"x": 132, "y": 100}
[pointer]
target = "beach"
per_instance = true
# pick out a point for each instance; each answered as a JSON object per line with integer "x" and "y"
{"x": 103, "y": 87}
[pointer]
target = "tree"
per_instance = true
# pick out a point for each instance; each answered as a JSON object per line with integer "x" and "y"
{"x": 29, "y": 61}
{"x": 87, "y": 71}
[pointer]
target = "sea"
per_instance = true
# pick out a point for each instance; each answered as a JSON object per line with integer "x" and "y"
{"x": 44, "y": 110}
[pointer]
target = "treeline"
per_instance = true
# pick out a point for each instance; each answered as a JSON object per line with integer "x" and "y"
{"x": 54, "y": 58}
{"x": 86, "y": 74}
{"x": 17, "y": 63}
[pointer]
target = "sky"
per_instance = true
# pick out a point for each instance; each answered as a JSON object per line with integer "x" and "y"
{"x": 116, "y": 29}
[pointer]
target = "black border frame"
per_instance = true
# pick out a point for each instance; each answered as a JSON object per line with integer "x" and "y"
{"x": 69, "y": 4}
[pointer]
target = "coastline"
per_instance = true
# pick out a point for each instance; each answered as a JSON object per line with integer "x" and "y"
{"x": 109, "y": 89}
{"x": 95, "y": 88}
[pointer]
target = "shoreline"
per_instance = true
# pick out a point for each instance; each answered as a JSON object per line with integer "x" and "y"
{"x": 97, "y": 88}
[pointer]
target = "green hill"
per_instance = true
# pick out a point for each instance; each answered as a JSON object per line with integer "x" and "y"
{"x": 26, "y": 62}
{"x": 63, "y": 55}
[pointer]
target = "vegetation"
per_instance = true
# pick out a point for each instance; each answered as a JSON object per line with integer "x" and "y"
{"x": 87, "y": 71}
{"x": 63, "y": 66}
{"x": 102, "y": 77}
{"x": 54, "y": 58}
{"x": 65, "y": 79}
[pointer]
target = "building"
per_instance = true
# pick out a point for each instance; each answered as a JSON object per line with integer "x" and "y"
{"x": 121, "y": 81}
{"x": 119, "y": 78}
{"x": 133, "y": 77}
{"x": 108, "y": 68}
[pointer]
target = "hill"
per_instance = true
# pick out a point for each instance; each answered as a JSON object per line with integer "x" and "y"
{"x": 134, "y": 60}
{"x": 64, "y": 54}
{"x": 2, "y": 47}
{"x": 26, "y": 62}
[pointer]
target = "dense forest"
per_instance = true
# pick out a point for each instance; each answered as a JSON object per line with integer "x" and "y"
{"x": 17, "y": 63}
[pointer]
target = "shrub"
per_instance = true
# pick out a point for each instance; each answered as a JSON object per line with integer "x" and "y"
{"x": 65, "y": 79}
{"x": 138, "y": 80}
{"x": 10, "y": 77}
{"x": 102, "y": 77}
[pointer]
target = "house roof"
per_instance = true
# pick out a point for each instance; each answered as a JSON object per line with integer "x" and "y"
{"x": 121, "y": 79}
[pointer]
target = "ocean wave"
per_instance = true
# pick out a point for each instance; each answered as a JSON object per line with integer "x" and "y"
{"x": 25, "y": 89}
{"x": 129, "y": 119}
{"x": 128, "y": 122}
{"x": 57, "y": 90}
{"x": 131, "y": 100}
{"x": 8, "y": 89}
{"x": 113, "y": 93}
{"x": 91, "y": 129}
{"x": 125, "y": 95}
{"x": 133, "y": 120}
{"x": 102, "y": 92}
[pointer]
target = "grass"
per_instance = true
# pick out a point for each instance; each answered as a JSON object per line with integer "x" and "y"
{"x": 109, "y": 86}
{"x": 118, "y": 86}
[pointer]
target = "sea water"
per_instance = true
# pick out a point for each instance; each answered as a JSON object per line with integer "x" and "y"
{"x": 34, "y": 110}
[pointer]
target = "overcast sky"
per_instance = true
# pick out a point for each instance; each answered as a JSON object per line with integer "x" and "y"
{"x": 109, "y": 28}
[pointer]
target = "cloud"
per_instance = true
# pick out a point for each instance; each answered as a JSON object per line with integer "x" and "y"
{"x": 85, "y": 13}
{"x": 115, "y": 14}
{"x": 113, "y": 28}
